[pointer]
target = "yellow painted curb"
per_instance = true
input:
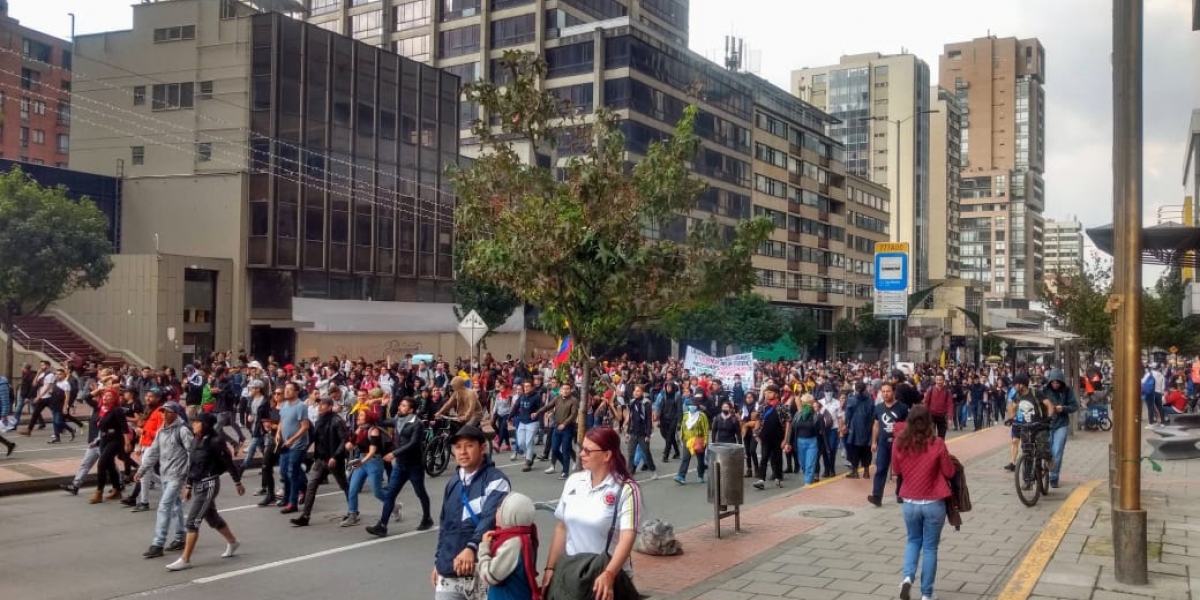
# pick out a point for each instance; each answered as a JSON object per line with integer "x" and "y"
{"x": 1020, "y": 585}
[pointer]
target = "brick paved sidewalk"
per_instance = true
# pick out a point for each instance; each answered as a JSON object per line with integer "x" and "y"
{"x": 827, "y": 542}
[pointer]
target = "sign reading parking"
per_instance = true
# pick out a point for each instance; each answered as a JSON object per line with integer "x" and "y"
{"x": 891, "y": 280}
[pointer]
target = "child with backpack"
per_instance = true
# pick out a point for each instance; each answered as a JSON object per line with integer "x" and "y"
{"x": 508, "y": 554}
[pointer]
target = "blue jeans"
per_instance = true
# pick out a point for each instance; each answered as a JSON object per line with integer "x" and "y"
{"x": 883, "y": 462}
{"x": 806, "y": 455}
{"x": 977, "y": 413}
{"x": 372, "y": 468}
{"x": 526, "y": 432}
{"x": 256, "y": 442}
{"x": 561, "y": 443}
{"x": 924, "y": 524}
{"x": 1058, "y": 444}
{"x": 291, "y": 471}
{"x": 402, "y": 474}
{"x": 170, "y": 508}
{"x": 686, "y": 455}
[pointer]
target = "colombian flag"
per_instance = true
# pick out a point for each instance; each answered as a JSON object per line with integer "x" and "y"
{"x": 564, "y": 351}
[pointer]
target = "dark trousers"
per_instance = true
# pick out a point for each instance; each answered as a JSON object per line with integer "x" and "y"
{"x": 106, "y": 472}
{"x": 319, "y": 470}
{"x": 500, "y": 426}
{"x": 400, "y": 475}
{"x": 37, "y": 419}
{"x": 829, "y": 452}
{"x": 644, "y": 442}
{"x": 883, "y": 462}
{"x": 751, "y": 446}
{"x": 977, "y": 413}
{"x": 942, "y": 424}
{"x": 772, "y": 455}
{"x": 270, "y": 459}
{"x": 859, "y": 456}
{"x": 561, "y": 441}
{"x": 670, "y": 434}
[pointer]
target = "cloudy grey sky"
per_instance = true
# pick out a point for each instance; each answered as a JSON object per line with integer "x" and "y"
{"x": 795, "y": 33}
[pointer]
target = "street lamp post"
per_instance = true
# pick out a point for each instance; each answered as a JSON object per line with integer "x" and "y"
{"x": 893, "y": 325}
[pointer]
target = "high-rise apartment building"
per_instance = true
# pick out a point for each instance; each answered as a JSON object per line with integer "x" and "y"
{"x": 882, "y": 103}
{"x": 1063, "y": 247}
{"x": 945, "y": 161}
{"x": 35, "y": 94}
{"x": 998, "y": 84}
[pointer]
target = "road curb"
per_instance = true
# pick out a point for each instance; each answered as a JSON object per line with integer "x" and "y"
{"x": 49, "y": 484}
{"x": 1033, "y": 564}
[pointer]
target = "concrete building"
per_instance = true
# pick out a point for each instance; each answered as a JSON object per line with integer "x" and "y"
{"x": 1063, "y": 247}
{"x": 869, "y": 94}
{"x": 35, "y": 94}
{"x": 998, "y": 84}
{"x": 945, "y": 161}
{"x": 320, "y": 179}
{"x": 1191, "y": 163}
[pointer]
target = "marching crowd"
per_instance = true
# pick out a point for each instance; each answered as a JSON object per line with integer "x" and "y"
{"x": 359, "y": 422}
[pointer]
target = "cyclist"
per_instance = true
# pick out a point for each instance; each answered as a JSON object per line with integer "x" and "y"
{"x": 1060, "y": 402}
{"x": 1024, "y": 406}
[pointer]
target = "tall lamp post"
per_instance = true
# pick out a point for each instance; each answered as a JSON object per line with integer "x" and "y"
{"x": 893, "y": 325}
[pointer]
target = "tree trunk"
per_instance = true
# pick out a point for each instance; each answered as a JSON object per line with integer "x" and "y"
{"x": 8, "y": 330}
{"x": 584, "y": 393}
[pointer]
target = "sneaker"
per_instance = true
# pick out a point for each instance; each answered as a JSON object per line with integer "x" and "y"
{"x": 700, "y": 479}
{"x": 377, "y": 530}
{"x": 230, "y": 549}
{"x": 760, "y": 485}
{"x": 301, "y": 521}
{"x": 267, "y": 501}
{"x": 513, "y": 457}
{"x": 1054, "y": 484}
{"x": 179, "y": 565}
{"x": 130, "y": 501}
{"x": 562, "y": 475}
{"x": 350, "y": 520}
{"x": 653, "y": 475}
{"x": 282, "y": 503}
{"x": 906, "y": 589}
{"x": 924, "y": 597}
{"x": 289, "y": 509}
{"x": 143, "y": 507}
{"x": 153, "y": 552}
{"x": 1010, "y": 467}
{"x": 550, "y": 470}
{"x": 426, "y": 524}
{"x": 70, "y": 488}
{"x": 261, "y": 492}
{"x": 527, "y": 468}
{"x": 11, "y": 446}
{"x": 176, "y": 546}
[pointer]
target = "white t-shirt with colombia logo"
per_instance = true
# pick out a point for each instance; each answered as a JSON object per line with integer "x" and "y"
{"x": 588, "y": 513}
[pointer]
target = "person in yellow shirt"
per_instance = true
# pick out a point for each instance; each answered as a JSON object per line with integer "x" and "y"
{"x": 693, "y": 431}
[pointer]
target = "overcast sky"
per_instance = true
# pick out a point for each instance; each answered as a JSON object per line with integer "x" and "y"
{"x": 791, "y": 34}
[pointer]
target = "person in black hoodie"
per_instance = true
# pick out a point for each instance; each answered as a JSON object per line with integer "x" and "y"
{"x": 227, "y": 401}
{"x": 407, "y": 465}
{"x": 329, "y": 456}
{"x": 639, "y": 424}
{"x": 670, "y": 411}
{"x": 209, "y": 460}
{"x": 906, "y": 393}
{"x": 112, "y": 427}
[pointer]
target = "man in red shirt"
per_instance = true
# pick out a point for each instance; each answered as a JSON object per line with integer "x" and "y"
{"x": 940, "y": 403}
{"x": 1176, "y": 402}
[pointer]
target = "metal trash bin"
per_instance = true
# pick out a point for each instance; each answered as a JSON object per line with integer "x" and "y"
{"x": 732, "y": 461}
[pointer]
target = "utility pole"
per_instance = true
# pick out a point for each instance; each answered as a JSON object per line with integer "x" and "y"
{"x": 1128, "y": 517}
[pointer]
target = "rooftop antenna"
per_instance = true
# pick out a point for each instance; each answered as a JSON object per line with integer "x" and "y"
{"x": 735, "y": 48}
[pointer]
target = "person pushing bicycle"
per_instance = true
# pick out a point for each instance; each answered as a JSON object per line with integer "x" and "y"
{"x": 1024, "y": 407}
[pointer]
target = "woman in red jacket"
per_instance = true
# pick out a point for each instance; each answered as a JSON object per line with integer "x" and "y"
{"x": 921, "y": 461}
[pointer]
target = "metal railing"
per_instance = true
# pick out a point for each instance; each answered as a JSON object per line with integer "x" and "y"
{"x": 44, "y": 346}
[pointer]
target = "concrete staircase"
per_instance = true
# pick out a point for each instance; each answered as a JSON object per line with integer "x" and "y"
{"x": 48, "y": 335}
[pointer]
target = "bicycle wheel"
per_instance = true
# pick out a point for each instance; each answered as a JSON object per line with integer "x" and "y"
{"x": 1043, "y": 476}
{"x": 1027, "y": 490}
{"x": 1105, "y": 424}
{"x": 440, "y": 458}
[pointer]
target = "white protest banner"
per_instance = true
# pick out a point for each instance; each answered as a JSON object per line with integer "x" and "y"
{"x": 699, "y": 363}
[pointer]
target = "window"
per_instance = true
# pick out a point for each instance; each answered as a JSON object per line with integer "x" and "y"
{"x": 467, "y": 72}
{"x": 24, "y": 109}
{"x": 321, "y": 7}
{"x": 139, "y": 95}
{"x": 24, "y": 138}
{"x": 954, "y": 54}
{"x": 229, "y": 9}
{"x": 513, "y": 31}
{"x": 39, "y": 107}
{"x": 503, "y": 4}
{"x": 64, "y": 113}
{"x": 881, "y": 71}
{"x": 35, "y": 50}
{"x": 367, "y": 24}
{"x": 416, "y": 48}
{"x": 570, "y": 60}
{"x": 30, "y": 79}
{"x": 173, "y": 96}
{"x": 204, "y": 151}
{"x": 206, "y": 90}
{"x": 458, "y": 9}
{"x": 39, "y": 136}
{"x": 137, "y": 155}
{"x": 818, "y": 79}
{"x": 175, "y": 34}
{"x": 411, "y": 15}
{"x": 458, "y": 42}
{"x": 64, "y": 143}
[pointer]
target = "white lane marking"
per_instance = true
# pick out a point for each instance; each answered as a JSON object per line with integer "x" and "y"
{"x": 321, "y": 554}
{"x": 225, "y": 510}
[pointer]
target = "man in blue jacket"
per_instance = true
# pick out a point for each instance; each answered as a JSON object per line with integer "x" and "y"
{"x": 468, "y": 512}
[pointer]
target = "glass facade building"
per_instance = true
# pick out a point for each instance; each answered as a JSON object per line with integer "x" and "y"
{"x": 349, "y": 196}
{"x": 104, "y": 191}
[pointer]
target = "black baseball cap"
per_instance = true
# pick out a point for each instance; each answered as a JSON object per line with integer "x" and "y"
{"x": 468, "y": 432}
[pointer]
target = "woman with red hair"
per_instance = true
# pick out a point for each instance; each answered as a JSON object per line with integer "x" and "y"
{"x": 367, "y": 443}
{"x": 598, "y": 516}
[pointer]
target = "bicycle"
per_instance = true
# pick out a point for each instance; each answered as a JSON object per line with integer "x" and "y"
{"x": 436, "y": 447}
{"x": 1032, "y": 475}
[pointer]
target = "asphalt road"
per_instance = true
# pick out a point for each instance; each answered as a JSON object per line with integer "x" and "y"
{"x": 56, "y": 546}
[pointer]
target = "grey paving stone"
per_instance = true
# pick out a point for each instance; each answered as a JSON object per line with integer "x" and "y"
{"x": 1071, "y": 592}
{"x": 806, "y": 581}
{"x": 724, "y": 595}
{"x": 808, "y": 593}
{"x": 861, "y": 587}
{"x": 766, "y": 589}
{"x": 800, "y": 569}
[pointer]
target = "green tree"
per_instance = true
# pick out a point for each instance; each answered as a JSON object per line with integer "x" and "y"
{"x": 51, "y": 246}
{"x": 846, "y": 335}
{"x": 803, "y": 330}
{"x": 745, "y": 320}
{"x": 1163, "y": 323}
{"x": 1077, "y": 302}
{"x": 494, "y": 303}
{"x": 872, "y": 332}
{"x": 572, "y": 240}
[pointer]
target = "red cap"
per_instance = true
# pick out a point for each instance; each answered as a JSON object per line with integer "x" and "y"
{"x": 289, "y": 367}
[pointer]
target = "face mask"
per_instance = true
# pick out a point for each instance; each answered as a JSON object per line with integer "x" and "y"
{"x": 724, "y": 411}
{"x": 693, "y": 408}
